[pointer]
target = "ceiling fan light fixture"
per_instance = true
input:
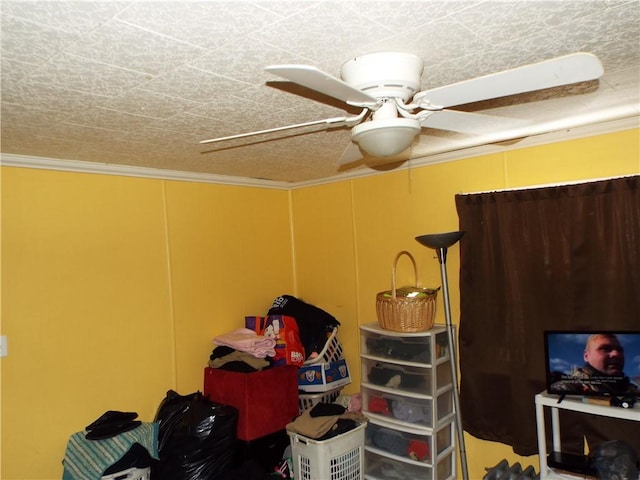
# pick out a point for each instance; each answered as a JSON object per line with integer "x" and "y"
{"x": 385, "y": 138}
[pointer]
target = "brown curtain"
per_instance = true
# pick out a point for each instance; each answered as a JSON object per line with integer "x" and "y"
{"x": 565, "y": 257}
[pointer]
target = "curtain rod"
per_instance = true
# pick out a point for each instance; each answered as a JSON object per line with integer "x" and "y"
{"x": 549, "y": 185}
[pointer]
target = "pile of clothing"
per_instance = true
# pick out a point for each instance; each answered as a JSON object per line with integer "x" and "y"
{"x": 242, "y": 350}
{"x": 252, "y": 348}
{"x": 325, "y": 420}
{"x": 110, "y": 424}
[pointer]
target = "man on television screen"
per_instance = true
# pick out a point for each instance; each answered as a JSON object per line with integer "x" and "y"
{"x": 602, "y": 372}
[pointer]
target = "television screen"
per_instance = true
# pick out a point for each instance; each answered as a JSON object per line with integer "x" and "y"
{"x": 602, "y": 363}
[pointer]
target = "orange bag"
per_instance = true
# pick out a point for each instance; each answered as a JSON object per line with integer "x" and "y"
{"x": 289, "y": 349}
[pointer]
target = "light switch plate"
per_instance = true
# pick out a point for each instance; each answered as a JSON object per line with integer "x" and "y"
{"x": 3, "y": 346}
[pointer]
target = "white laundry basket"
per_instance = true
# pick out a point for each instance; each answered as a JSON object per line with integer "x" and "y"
{"x": 309, "y": 400}
{"x": 337, "y": 458}
{"x": 130, "y": 474}
{"x": 331, "y": 352}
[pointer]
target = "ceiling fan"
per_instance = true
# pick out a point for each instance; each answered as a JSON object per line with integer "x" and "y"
{"x": 386, "y": 86}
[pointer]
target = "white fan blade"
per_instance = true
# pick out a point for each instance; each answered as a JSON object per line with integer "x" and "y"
{"x": 472, "y": 123}
{"x": 312, "y": 77}
{"x": 332, "y": 122}
{"x": 577, "y": 67}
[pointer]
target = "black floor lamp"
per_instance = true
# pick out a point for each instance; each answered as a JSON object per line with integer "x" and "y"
{"x": 441, "y": 242}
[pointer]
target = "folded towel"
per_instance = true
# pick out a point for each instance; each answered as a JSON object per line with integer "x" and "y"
{"x": 248, "y": 341}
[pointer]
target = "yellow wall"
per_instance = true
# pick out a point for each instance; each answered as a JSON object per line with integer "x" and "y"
{"x": 113, "y": 287}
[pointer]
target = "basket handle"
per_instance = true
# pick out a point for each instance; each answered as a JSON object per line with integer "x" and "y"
{"x": 393, "y": 270}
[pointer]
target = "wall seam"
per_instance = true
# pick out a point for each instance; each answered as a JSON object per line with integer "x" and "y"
{"x": 505, "y": 169}
{"x": 294, "y": 266}
{"x": 172, "y": 316}
{"x": 356, "y": 260}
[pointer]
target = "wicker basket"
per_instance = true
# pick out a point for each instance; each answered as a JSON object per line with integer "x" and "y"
{"x": 406, "y": 313}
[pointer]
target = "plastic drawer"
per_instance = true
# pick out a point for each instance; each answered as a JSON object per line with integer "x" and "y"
{"x": 407, "y": 379}
{"x": 445, "y": 468}
{"x": 407, "y": 410}
{"x": 411, "y": 349}
{"x": 443, "y": 375}
{"x": 407, "y": 348}
{"x": 378, "y": 467}
{"x": 444, "y": 404}
{"x": 414, "y": 445}
{"x": 444, "y": 438}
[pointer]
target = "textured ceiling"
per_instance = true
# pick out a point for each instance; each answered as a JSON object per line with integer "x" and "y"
{"x": 139, "y": 83}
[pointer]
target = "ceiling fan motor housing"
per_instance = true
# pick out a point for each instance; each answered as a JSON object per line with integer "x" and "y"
{"x": 384, "y": 74}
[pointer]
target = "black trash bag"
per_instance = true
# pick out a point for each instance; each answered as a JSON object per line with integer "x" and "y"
{"x": 196, "y": 439}
{"x": 313, "y": 322}
{"x": 615, "y": 460}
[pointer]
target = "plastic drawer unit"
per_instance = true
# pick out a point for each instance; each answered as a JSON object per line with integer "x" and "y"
{"x": 407, "y": 394}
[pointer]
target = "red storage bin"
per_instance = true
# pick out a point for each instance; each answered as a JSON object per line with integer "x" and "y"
{"x": 266, "y": 400}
